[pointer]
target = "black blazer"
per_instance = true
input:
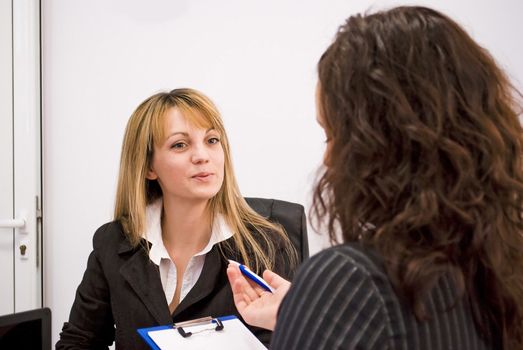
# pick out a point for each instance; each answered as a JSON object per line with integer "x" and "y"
{"x": 121, "y": 288}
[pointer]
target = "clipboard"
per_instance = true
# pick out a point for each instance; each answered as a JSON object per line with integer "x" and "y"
{"x": 226, "y": 332}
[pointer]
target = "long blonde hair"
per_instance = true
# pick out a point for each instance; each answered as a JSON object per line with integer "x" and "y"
{"x": 134, "y": 192}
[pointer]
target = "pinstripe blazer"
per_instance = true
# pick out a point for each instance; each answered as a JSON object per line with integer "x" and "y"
{"x": 342, "y": 299}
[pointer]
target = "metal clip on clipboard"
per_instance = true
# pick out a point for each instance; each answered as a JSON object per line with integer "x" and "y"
{"x": 197, "y": 322}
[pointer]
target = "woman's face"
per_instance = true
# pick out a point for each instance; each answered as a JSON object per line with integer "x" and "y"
{"x": 321, "y": 121}
{"x": 189, "y": 164}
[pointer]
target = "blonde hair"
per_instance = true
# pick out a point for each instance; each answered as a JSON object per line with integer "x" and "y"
{"x": 134, "y": 192}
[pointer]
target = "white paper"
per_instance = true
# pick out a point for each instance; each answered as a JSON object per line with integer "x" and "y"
{"x": 234, "y": 336}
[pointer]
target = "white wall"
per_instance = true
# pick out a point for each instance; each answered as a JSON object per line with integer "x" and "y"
{"x": 256, "y": 60}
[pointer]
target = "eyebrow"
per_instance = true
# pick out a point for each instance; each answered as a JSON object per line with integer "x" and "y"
{"x": 185, "y": 133}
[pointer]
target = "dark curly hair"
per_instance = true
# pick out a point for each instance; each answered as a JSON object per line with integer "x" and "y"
{"x": 424, "y": 161}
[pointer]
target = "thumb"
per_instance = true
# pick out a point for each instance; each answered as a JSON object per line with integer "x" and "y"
{"x": 275, "y": 280}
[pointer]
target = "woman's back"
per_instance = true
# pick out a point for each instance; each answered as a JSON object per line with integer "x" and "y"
{"x": 342, "y": 299}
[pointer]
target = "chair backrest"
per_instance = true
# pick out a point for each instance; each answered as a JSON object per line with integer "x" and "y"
{"x": 290, "y": 215}
{"x": 26, "y": 330}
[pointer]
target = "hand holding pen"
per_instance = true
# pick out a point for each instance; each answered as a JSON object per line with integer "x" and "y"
{"x": 258, "y": 306}
{"x": 253, "y": 276}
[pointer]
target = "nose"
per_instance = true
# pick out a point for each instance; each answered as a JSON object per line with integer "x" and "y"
{"x": 199, "y": 155}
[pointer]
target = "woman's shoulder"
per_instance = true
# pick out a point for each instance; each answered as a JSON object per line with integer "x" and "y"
{"x": 351, "y": 253}
{"x": 345, "y": 292}
{"x": 360, "y": 262}
{"x": 109, "y": 235}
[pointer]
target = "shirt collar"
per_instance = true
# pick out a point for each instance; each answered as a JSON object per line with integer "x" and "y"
{"x": 221, "y": 231}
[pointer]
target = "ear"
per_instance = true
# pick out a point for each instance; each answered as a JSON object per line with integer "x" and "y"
{"x": 151, "y": 174}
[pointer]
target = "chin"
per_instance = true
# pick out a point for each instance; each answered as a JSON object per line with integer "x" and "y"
{"x": 204, "y": 191}
{"x": 205, "y": 195}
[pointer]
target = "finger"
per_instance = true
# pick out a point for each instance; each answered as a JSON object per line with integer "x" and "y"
{"x": 275, "y": 280}
{"x": 249, "y": 290}
{"x": 241, "y": 296}
{"x": 234, "y": 273}
{"x": 240, "y": 285}
{"x": 235, "y": 277}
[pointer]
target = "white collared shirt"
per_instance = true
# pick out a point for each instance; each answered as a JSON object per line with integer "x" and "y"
{"x": 158, "y": 253}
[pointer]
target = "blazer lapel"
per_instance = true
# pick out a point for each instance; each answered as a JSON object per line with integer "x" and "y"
{"x": 209, "y": 280}
{"x": 144, "y": 278}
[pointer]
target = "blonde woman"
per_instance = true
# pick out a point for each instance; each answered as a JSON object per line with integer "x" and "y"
{"x": 178, "y": 217}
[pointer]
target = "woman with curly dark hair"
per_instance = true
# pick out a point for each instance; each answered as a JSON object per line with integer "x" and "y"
{"x": 423, "y": 182}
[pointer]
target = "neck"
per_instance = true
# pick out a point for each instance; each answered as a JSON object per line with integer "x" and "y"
{"x": 186, "y": 225}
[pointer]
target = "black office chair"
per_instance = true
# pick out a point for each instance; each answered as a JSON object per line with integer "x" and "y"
{"x": 290, "y": 215}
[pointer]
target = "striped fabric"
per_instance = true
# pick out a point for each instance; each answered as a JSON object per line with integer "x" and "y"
{"x": 342, "y": 299}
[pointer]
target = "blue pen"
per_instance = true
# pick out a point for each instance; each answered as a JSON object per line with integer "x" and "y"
{"x": 253, "y": 277}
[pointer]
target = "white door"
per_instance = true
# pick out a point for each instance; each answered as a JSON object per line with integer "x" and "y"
{"x": 20, "y": 156}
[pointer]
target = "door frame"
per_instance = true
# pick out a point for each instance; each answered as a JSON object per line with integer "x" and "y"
{"x": 27, "y": 136}
{"x": 6, "y": 157}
